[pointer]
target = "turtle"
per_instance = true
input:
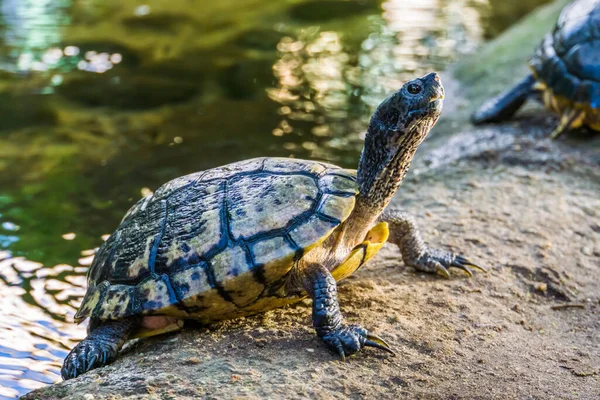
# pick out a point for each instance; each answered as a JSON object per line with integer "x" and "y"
{"x": 258, "y": 234}
{"x": 565, "y": 73}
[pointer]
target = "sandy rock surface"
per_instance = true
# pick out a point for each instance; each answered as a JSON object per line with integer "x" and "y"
{"x": 524, "y": 207}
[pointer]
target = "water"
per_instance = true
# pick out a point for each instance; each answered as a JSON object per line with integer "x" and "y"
{"x": 103, "y": 101}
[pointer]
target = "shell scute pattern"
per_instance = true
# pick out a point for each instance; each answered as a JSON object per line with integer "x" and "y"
{"x": 308, "y": 233}
{"x": 334, "y": 207}
{"x": 196, "y": 295}
{"x": 272, "y": 255}
{"x": 265, "y": 202}
{"x": 118, "y": 300}
{"x": 134, "y": 254}
{"x": 579, "y": 22}
{"x": 154, "y": 293}
{"x": 190, "y": 281}
{"x": 340, "y": 184}
{"x": 97, "y": 273}
{"x": 234, "y": 275}
{"x": 194, "y": 225}
{"x": 212, "y": 243}
{"x": 137, "y": 207}
{"x": 252, "y": 166}
{"x": 170, "y": 188}
{"x": 93, "y": 297}
{"x": 292, "y": 166}
{"x": 127, "y": 256}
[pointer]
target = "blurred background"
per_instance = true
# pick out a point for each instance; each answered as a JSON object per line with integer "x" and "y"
{"x": 102, "y": 101}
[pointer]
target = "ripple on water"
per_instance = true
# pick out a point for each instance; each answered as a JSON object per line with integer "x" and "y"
{"x": 33, "y": 337}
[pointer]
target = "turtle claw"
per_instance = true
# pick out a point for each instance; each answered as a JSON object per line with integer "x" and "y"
{"x": 466, "y": 262}
{"x": 440, "y": 261}
{"x": 340, "y": 350}
{"x": 439, "y": 268}
{"x": 462, "y": 267}
{"x": 349, "y": 339}
{"x": 379, "y": 343}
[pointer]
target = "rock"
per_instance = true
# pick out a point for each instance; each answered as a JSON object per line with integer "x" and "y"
{"x": 541, "y": 287}
{"x": 588, "y": 251}
{"x": 324, "y": 10}
{"x": 193, "y": 67}
{"x": 161, "y": 22}
{"x": 19, "y": 111}
{"x": 259, "y": 39}
{"x": 126, "y": 92}
{"x": 246, "y": 79}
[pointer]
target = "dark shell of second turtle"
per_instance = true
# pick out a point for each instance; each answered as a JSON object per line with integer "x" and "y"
{"x": 568, "y": 59}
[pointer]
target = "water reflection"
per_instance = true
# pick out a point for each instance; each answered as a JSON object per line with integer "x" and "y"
{"x": 122, "y": 96}
{"x": 29, "y": 29}
{"x": 35, "y": 303}
{"x": 329, "y": 80}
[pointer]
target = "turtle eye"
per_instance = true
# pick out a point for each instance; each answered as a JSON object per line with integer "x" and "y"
{"x": 413, "y": 88}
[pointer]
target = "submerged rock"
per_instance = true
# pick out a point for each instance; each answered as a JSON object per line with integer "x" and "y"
{"x": 127, "y": 92}
{"x": 180, "y": 69}
{"x": 161, "y": 22}
{"x": 325, "y": 10}
{"x": 247, "y": 78}
{"x": 259, "y": 39}
{"x": 19, "y": 111}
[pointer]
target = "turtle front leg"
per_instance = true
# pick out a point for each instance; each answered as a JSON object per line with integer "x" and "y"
{"x": 327, "y": 318}
{"x": 415, "y": 253}
{"x": 99, "y": 348}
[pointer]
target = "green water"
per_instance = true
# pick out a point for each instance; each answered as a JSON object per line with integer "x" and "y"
{"x": 103, "y": 101}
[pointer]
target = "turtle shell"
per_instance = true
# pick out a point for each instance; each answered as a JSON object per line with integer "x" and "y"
{"x": 217, "y": 243}
{"x": 567, "y": 61}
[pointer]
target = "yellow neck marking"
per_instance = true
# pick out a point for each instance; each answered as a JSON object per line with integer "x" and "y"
{"x": 374, "y": 241}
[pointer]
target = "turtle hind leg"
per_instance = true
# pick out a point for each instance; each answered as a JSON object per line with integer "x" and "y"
{"x": 99, "y": 348}
{"x": 571, "y": 119}
{"x": 506, "y": 104}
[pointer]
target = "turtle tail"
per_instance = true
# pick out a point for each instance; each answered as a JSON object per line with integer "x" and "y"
{"x": 506, "y": 104}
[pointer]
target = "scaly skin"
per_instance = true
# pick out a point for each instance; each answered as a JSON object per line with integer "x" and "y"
{"x": 322, "y": 287}
{"x": 415, "y": 253}
{"x": 327, "y": 318}
{"x": 99, "y": 348}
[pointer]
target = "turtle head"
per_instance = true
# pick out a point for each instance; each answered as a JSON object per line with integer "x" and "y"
{"x": 408, "y": 115}
{"x": 397, "y": 127}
